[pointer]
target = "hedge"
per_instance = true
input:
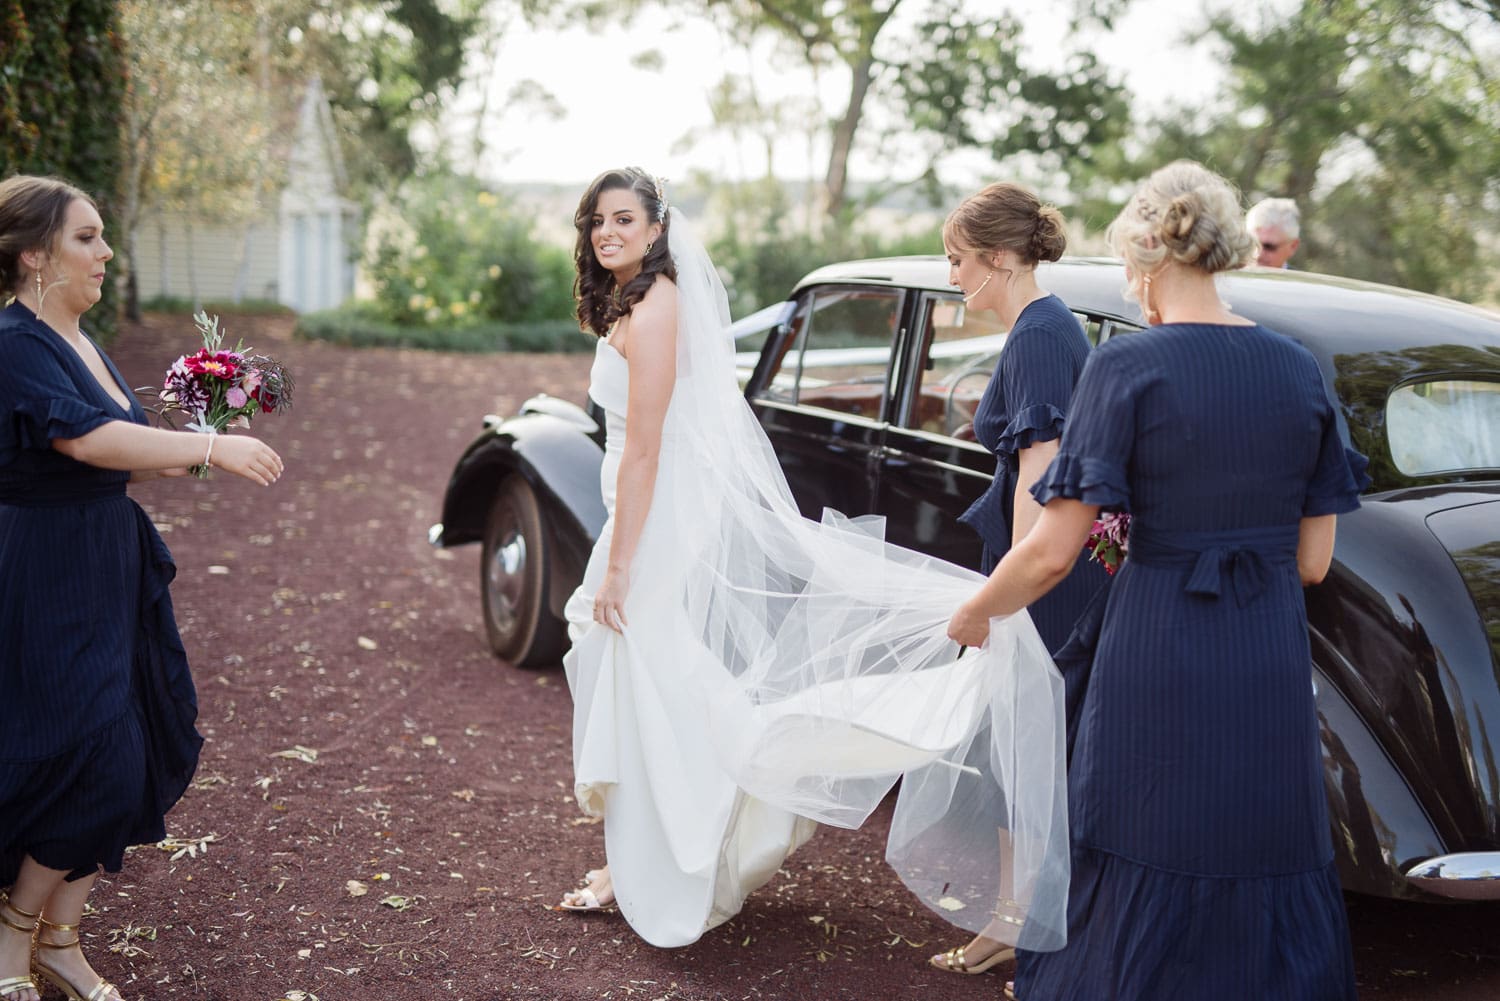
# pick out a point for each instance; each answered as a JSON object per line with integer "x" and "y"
{"x": 356, "y": 328}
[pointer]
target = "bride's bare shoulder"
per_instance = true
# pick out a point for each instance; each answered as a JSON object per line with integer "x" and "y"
{"x": 659, "y": 305}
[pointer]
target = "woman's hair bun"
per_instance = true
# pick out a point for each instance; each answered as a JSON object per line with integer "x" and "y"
{"x": 1050, "y": 238}
{"x": 1187, "y": 213}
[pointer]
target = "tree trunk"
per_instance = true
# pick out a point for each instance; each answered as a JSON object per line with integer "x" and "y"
{"x": 835, "y": 185}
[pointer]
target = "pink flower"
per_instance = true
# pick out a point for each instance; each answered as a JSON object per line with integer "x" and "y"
{"x": 236, "y": 397}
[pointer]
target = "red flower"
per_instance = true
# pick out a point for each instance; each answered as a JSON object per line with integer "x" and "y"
{"x": 219, "y": 364}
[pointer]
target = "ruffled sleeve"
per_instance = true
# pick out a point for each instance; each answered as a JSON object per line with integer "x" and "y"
{"x": 1037, "y": 371}
{"x": 39, "y": 401}
{"x": 1096, "y": 448}
{"x": 1077, "y": 477}
{"x": 1339, "y": 477}
{"x": 1039, "y": 422}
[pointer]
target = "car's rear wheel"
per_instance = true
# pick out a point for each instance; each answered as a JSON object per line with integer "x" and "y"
{"x": 514, "y": 577}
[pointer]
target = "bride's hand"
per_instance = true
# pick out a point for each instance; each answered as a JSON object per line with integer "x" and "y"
{"x": 970, "y": 625}
{"x": 609, "y": 601}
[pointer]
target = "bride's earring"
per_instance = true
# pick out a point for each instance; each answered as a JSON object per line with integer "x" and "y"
{"x": 649, "y": 245}
{"x": 38, "y": 288}
{"x": 1151, "y": 314}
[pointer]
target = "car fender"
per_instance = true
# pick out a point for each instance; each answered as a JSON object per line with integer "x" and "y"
{"x": 560, "y": 461}
{"x": 1378, "y": 826}
{"x": 1408, "y": 650}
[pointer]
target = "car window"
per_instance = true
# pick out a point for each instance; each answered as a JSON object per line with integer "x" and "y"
{"x": 750, "y": 334}
{"x": 960, "y": 348}
{"x": 840, "y": 351}
{"x": 1444, "y": 426}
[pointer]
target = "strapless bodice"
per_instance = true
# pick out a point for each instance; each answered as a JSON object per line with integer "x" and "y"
{"x": 609, "y": 379}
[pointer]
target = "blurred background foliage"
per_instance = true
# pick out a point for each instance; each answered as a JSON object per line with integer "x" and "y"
{"x": 446, "y": 249}
{"x": 1380, "y": 118}
{"x": 62, "y": 69}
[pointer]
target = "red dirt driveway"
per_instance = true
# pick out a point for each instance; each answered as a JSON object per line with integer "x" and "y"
{"x": 383, "y": 810}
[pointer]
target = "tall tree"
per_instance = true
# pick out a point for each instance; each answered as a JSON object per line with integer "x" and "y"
{"x": 210, "y": 82}
{"x": 1381, "y": 118}
{"x": 952, "y": 79}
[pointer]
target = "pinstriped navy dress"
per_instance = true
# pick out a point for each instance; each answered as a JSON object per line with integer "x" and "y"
{"x": 1027, "y": 402}
{"x": 97, "y": 708}
{"x": 1202, "y": 861}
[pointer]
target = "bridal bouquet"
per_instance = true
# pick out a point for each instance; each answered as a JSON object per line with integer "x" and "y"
{"x": 1110, "y": 540}
{"x": 219, "y": 387}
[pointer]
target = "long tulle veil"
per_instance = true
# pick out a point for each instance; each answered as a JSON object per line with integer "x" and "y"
{"x": 827, "y": 672}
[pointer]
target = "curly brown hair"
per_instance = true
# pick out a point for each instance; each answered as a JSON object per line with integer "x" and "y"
{"x": 32, "y": 213}
{"x": 600, "y": 302}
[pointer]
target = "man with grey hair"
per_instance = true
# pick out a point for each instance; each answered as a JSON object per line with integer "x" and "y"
{"x": 1275, "y": 223}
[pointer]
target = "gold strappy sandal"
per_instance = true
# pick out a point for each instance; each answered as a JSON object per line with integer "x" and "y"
{"x": 100, "y": 992}
{"x": 954, "y": 961}
{"x": 14, "y": 987}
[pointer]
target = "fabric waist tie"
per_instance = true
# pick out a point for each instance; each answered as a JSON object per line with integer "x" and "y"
{"x": 1240, "y": 561}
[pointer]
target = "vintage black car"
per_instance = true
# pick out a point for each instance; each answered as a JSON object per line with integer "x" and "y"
{"x": 866, "y": 379}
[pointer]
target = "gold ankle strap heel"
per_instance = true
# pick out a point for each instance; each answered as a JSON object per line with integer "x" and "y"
{"x": 14, "y": 987}
{"x": 102, "y": 991}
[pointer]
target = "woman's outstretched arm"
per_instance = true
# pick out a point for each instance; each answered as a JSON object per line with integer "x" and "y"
{"x": 1036, "y": 565}
{"x": 126, "y": 446}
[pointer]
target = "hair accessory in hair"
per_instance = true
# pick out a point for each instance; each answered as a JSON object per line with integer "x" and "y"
{"x": 661, "y": 194}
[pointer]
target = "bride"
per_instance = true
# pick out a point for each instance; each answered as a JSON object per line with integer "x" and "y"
{"x": 741, "y": 674}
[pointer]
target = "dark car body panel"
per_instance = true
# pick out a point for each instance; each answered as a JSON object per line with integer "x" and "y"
{"x": 560, "y": 461}
{"x": 1405, "y": 629}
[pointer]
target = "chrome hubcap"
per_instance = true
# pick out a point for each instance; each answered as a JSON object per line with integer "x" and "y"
{"x": 504, "y": 579}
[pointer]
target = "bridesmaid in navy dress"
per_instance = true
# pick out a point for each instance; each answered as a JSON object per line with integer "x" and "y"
{"x": 994, "y": 241}
{"x": 1202, "y": 860}
{"x": 98, "y": 739}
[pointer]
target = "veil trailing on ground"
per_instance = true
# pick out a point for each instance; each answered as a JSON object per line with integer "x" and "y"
{"x": 826, "y": 672}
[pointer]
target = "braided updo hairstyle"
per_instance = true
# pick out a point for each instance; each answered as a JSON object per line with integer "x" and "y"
{"x": 1184, "y": 213}
{"x": 1006, "y": 216}
{"x": 600, "y": 301}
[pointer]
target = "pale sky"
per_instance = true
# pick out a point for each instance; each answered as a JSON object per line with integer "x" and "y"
{"x": 615, "y": 112}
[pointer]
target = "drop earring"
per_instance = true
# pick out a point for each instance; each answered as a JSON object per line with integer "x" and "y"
{"x": 649, "y": 245}
{"x": 38, "y": 289}
{"x": 1146, "y": 309}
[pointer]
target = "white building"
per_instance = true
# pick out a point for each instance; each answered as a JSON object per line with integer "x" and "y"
{"x": 303, "y": 257}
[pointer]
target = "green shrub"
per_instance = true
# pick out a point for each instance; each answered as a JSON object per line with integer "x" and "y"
{"x": 249, "y": 307}
{"x": 451, "y": 252}
{"x": 364, "y": 328}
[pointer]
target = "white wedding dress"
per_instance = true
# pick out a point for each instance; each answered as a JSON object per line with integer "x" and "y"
{"x": 777, "y": 674}
{"x": 684, "y": 844}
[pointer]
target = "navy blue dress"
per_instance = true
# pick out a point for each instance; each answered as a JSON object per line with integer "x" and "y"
{"x": 1202, "y": 860}
{"x": 97, "y": 737}
{"x": 1027, "y": 402}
